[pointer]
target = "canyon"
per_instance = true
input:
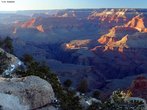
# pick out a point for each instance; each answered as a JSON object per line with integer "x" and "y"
{"x": 99, "y": 45}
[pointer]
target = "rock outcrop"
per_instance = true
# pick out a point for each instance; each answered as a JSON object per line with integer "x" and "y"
{"x": 77, "y": 44}
{"x": 139, "y": 87}
{"x": 109, "y": 15}
{"x": 137, "y": 23}
{"x": 105, "y": 38}
{"x": 120, "y": 44}
{"x": 114, "y": 36}
{"x": 25, "y": 93}
{"x": 28, "y": 24}
{"x": 40, "y": 28}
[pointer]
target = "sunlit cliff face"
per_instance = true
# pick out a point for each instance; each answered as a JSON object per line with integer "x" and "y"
{"x": 105, "y": 38}
{"x": 120, "y": 44}
{"x": 137, "y": 23}
{"x": 109, "y": 40}
{"x": 77, "y": 44}
{"x": 28, "y": 24}
{"x": 109, "y": 15}
{"x": 40, "y": 28}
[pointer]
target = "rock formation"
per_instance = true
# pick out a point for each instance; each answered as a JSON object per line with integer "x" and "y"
{"x": 77, "y": 44}
{"x": 65, "y": 14}
{"x": 105, "y": 38}
{"x": 139, "y": 87}
{"x": 137, "y": 23}
{"x": 64, "y": 27}
{"x": 40, "y": 28}
{"x": 120, "y": 44}
{"x": 28, "y": 24}
{"x": 30, "y": 92}
{"x": 109, "y": 15}
{"x": 133, "y": 26}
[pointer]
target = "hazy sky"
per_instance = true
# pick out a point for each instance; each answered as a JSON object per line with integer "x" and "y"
{"x": 64, "y": 4}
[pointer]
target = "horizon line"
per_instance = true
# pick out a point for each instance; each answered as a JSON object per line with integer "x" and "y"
{"x": 65, "y": 9}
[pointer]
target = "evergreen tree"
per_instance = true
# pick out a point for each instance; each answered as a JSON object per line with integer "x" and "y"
{"x": 7, "y": 44}
{"x": 96, "y": 94}
{"x": 67, "y": 83}
{"x": 83, "y": 86}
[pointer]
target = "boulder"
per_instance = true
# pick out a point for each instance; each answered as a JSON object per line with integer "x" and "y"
{"x": 25, "y": 93}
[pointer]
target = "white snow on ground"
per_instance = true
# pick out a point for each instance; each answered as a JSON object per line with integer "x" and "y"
{"x": 12, "y": 67}
{"x": 14, "y": 63}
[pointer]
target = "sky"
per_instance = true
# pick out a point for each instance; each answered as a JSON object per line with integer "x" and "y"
{"x": 69, "y": 4}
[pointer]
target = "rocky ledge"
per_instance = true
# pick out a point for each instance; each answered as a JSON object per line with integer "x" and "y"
{"x": 25, "y": 93}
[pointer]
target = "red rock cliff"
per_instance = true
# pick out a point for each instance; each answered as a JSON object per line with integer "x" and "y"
{"x": 139, "y": 87}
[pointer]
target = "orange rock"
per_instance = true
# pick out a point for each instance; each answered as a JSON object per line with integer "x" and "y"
{"x": 139, "y": 87}
{"x": 137, "y": 23}
{"x": 28, "y": 24}
{"x": 107, "y": 37}
{"x": 102, "y": 40}
{"x": 40, "y": 28}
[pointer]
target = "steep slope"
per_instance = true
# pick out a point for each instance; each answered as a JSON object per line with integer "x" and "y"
{"x": 28, "y": 24}
{"x": 138, "y": 23}
{"x": 105, "y": 38}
